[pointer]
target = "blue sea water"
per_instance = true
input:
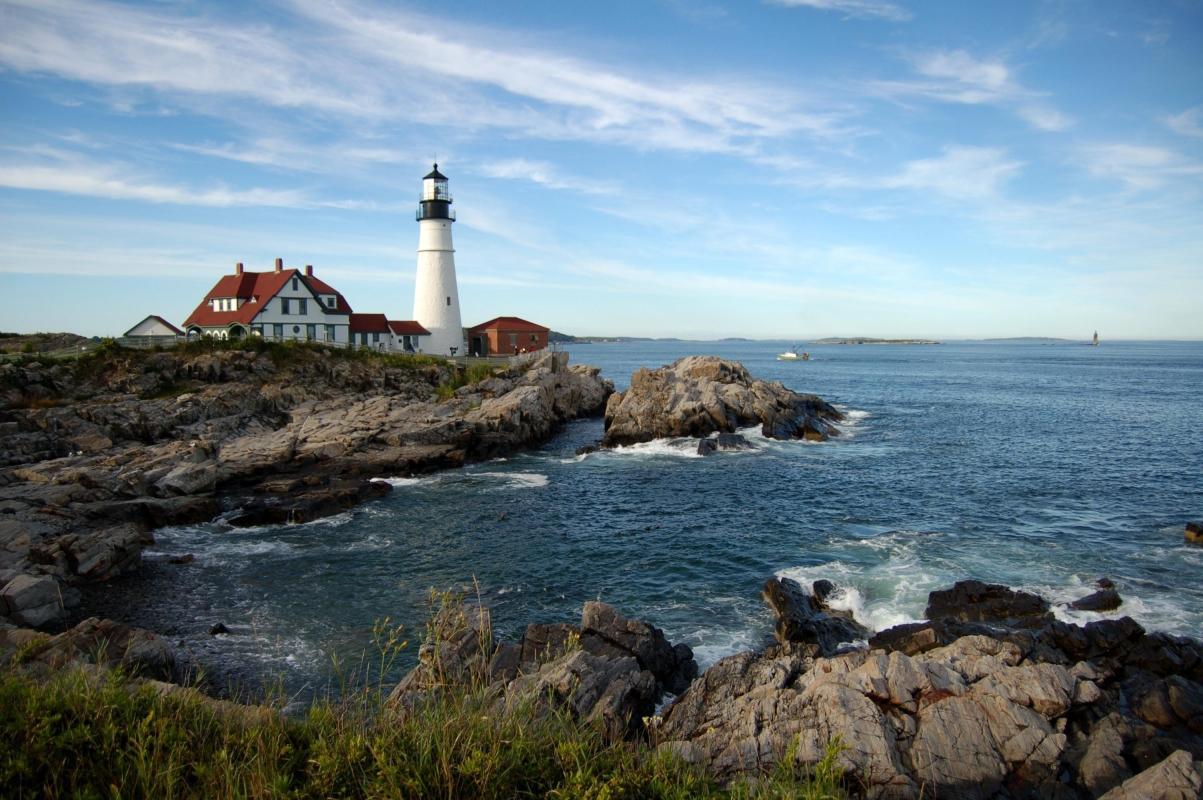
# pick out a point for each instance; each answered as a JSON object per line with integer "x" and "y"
{"x": 1041, "y": 466}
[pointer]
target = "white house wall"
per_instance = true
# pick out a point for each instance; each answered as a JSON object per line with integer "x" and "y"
{"x": 272, "y": 314}
{"x": 150, "y": 327}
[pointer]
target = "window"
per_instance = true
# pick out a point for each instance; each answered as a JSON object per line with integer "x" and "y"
{"x": 296, "y": 329}
{"x": 534, "y": 338}
{"x": 278, "y": 330}
{"x": 375, "y": 338}
{"x": 514, "y": 340}
{"x": 284, "y": 305}
{"x": 330, "y": 337}
{"x": 310, "y": 331}
{"x": 303, "y": 306}
{"x": 448, "y": 300}
{"x": 294, "y": 283}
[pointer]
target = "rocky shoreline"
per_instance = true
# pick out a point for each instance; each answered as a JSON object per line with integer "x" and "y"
{"x": 98, "y": 452}
{"x": 989, "y": 696}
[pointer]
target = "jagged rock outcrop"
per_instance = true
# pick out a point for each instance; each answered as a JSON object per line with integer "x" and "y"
{"x": 802, "y": 618}
{"x": 95, "y": 453}
{"x": 701, "y": 395}
{"x": 991, "y": 699}
{"x": 611, "y": 669}
{"x": 92, "y": 641}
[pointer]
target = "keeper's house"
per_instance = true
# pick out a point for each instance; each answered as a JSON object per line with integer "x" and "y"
{"x": 506, "y": 336}
{"x": 287, "y": 304}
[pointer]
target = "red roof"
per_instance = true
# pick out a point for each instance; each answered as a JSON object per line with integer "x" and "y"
{"x": 407, "y": 327}
{"x": 509, "y": 324}
{"x": 321, "y": 287}
{"x": 256, "y": 289}
{"x": 369, "y": 323}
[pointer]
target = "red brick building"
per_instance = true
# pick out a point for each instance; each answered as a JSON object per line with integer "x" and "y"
{"x": 506, "y": 336}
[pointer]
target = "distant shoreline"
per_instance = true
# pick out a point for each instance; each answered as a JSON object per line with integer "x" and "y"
{"x": 871, "y": 340}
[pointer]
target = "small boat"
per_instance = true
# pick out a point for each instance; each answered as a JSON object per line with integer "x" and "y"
{"x": 1095, "y": 342}
{"x": 793, "y": 355}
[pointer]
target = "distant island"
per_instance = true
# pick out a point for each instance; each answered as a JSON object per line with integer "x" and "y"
{"x": 1031, "y": 339}
{"x": 871, "y": 340}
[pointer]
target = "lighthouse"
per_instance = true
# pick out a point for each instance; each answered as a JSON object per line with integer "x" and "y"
{"x": 436, "y": 298}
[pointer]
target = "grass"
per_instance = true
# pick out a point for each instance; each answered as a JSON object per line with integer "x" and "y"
{"x": 464, "y": 376}
{"x": 96, "y": 734}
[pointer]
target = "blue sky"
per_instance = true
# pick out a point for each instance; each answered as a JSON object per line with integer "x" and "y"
{"x": 786, "y": 169}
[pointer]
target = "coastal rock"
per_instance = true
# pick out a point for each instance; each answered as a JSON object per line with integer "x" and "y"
{"x": 92, "y": 641}
{"x": 700, "y": 395}
{"x": 605, "y": 632}
{"x": 1194, "y": 532}
{"x": 1107, "y": 599}
{"x": 723, "y": 441}
{"x": 993, "y": 699}
{"x": 31, "y": 600}
{"x": 612, "y": 669}
{"x": 975, "y": 601}
{"x": 306, "y": 504}
{"x": 135, "y": 440}
{"x": 613, "y": 691}
{"x": 1178, "y": 777}
{"x": 545, "y": 642}
{"x": 800, "y": 619}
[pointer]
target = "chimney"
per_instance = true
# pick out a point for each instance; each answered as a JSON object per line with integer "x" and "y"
{"x": 308, "y": 270}
{"x": 279, "y": 265}
{"x": 238, "y": 268}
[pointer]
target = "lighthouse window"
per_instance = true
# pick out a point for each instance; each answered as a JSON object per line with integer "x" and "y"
{"x": 448, "y": 301}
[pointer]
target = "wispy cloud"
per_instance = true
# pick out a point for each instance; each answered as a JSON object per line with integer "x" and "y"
{"x": 955, "y": 76}
{"x": 857, "y": 9}
{"x": 98, "y": 180}
{"x": 1138, "y": 166}
{"x": 366, "y": 61}
{"x": 1188, "y": 123}
{"x": 544, "y": 174}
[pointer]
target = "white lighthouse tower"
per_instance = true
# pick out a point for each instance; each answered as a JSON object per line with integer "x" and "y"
{"x": 436, "y": 298}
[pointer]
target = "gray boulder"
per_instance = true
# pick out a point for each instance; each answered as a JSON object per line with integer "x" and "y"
{"x": 32, "y": 600}
{"x": 975, "y": 601}
{"x": 607, "y": 633}
{"x": 1103, "y": 600}
{"x": 700, "y": 395}
{"x": 1178, "y": 777}
{"x": 802, "y": 620}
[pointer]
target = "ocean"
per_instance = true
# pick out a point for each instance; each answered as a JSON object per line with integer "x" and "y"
{"x": 1043, "y": 466}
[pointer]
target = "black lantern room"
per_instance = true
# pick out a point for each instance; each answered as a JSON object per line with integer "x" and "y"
{"x": 435, "y": 202}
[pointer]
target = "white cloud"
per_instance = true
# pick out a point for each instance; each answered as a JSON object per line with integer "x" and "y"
{"x": 1139, "y": 166}
{"x": 955, "y": 76}
{"x": 370, "y": 62}
{"x": 109, "y": 182}
{"x": 960, "y": 173}
{"x": 859, "y": 9}
{"x": 544, "y": 174}
{"x": 1188, "y": 123}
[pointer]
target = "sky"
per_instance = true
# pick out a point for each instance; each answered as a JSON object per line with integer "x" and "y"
{"x": 784, "y": 169}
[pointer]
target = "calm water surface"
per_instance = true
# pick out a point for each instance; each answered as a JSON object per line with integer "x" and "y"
{"x": 1038, "y": 466}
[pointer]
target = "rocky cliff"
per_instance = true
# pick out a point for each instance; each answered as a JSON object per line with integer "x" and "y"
{"x": 96, "y": 452}
{"x": 999, "y": 701}
{"x": 701, "y": 395}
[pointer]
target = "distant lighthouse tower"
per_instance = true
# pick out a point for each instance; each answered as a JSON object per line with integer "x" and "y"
{"x": 436, "y": 298}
